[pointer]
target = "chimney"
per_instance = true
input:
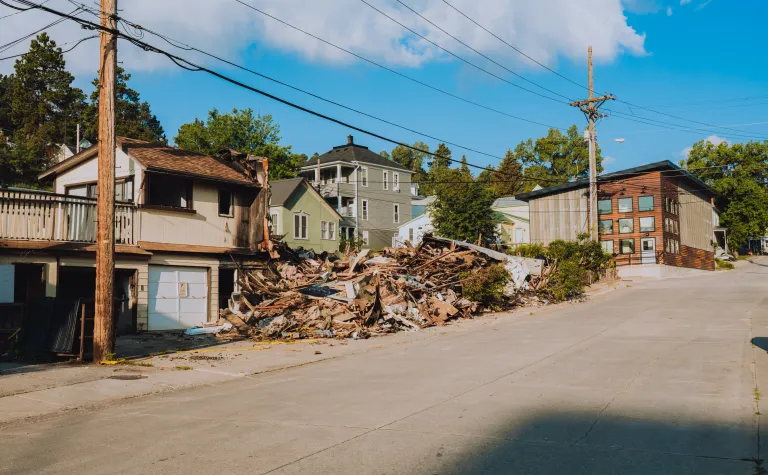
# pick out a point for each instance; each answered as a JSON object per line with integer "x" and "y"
{"x": 349, "y": 140}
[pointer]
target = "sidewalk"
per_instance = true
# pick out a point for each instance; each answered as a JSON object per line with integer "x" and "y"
{"x": 36, "y": 391}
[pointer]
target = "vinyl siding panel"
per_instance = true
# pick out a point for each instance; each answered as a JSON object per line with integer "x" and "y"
{"x": 559, "y": 216}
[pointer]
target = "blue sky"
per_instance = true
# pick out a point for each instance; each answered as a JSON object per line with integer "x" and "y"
{"x": 662, "y": 55}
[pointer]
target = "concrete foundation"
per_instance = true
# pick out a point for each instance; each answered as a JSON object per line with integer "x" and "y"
{"x": 658, "y": 271}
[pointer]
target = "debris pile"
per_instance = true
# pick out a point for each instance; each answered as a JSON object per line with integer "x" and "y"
{"x": 356, "y": 295}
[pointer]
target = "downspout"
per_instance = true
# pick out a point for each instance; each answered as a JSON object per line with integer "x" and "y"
{"x": 357, "y": 201}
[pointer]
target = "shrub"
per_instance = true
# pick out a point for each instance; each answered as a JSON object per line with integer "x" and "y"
{"x": 721, "y": 264}
{"x": 532, "y": 251}
{"x": 486, "y": 285}
{"x": 567, "y": 281}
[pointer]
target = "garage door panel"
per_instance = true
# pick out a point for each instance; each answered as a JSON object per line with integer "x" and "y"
{"x": 162, "y": 290}
{"x": 192, "y": 305}
{"x": 164, "y": 321}
{"x": 190, "y": 320}
{"x": 197, "y": 291}
{"x": 162, "y": 274}
{"x": 163, "y": 305}
{"x": 193, "y": 277}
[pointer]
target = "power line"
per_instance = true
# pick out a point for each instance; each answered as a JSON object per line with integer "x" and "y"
{"x": 684, "y": 128}
{"x": 478, "y": 52}
{"x": 16, "y": 13}
{"x": 77, "y": 43}
{"x": 463, "y": 59}
{"x": 370, "y": 61}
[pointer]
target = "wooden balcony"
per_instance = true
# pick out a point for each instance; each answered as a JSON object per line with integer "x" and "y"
{"x": 28, "y": 215}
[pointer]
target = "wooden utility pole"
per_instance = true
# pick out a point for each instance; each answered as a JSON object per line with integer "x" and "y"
{"x": 590, "y": 107}
{"x": 104, "y": 325}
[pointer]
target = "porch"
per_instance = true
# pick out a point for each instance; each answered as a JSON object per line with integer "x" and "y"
{"x": 31, "y": 215}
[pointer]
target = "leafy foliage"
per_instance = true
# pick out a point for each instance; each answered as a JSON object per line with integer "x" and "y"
{"x": 532, "y": 251}
{"x": 244, "y": 131}
{"x": 739, "y": 175}
{"x": 486, "y": 285}
{"x": 133, "y": 117}
{"x": 567, "y": 281}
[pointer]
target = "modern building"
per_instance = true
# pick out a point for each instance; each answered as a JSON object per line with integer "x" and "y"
{"x": 371, "y": 193}
{"x": 301, "y": 217}
{"x": 183, "y": 223}
{"x": 656, "y": 215}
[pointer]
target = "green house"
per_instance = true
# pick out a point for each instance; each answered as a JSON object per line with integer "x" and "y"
{"x": 302, "y": 217}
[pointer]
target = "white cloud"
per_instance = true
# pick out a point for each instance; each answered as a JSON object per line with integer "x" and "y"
{"x": 227, "y": 28}
{"x": 669, "y": 11}
{"x": 713, "y": 139}
{"x": 685, "y": 2}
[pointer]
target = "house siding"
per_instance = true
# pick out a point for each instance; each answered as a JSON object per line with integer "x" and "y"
{"x": 304, "y": 201}
{"x": 559, "y": 216}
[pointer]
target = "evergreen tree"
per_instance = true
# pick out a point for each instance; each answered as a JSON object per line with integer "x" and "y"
{"x": 465, "y": 171}
{"x": 508, "y": 181}
{"x": 40, "y": 109}
{"x": 443, "y": 158}
{"x": 462, "y": 208}
{"x": 384, "y": 154}
{"x": 133, "y": 117}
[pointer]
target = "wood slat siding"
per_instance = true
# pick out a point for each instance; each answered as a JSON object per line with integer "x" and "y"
{"x": 695, "y": 216}
{"x": 41, "y": 216}
{"x": 691, "y": 257}
{"x": 560, "y": 216}
{"x": 632, "y": 187}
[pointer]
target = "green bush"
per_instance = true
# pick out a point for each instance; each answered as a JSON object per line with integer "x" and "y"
{"x": 721, "y": 264}
{"x": 532, "y": 251}
{"x": 567, "y": 281}
{"x": 486, "y": 285}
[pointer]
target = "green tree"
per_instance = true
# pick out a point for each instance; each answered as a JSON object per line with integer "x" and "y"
{"x": 244, "y": 131}
{"x": 443, "y": 158}
{"x": 464, "y": 168}
{"x": 555, "y": 158}
{"x": 384, "y": 154}
{"x": 739, "y": 175}
{"x": 508, "y": 179}
{"x": 40, "y": 108}
{"x": 133, "y": 117}
{"x": 462, "y": 208}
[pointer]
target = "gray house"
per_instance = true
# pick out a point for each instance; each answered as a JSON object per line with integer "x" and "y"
{"x": 371, "y": 193}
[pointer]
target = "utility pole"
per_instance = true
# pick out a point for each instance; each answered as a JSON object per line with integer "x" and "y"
{"x": 104, "y": 325}
{"x": 590, "y": 107}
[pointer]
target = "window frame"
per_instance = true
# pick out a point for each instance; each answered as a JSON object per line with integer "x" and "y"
{"x": 395, "y": 181}
{"x": 365, "y": 237}
{"x": 364, "y": 176}
{"x": 302, "y": 226}
{"x": 613, "y": 248}
{"x": 640, "y": 207}
{"x": 410, "y": 235}
{"x": 231, "y": 213}
{"x": 364, "y": 209}
{"x": 324, "y": 230}
{"x": 275, "y": 218}
{"x": 396, "y": 213}
{"x": 599, "y": 226}
{"x": 632, "y": 229}
{"x": 610, "y": 210}
{"x": 385, "y": 179}
{"x": 653, "y": 224}
{"x": 625, "y": 199}
{"x": 621, "y": 247}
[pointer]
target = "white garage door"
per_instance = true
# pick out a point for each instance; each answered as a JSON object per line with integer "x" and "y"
{"x": 178, "y": 297}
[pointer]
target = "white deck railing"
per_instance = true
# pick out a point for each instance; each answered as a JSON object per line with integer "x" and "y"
{"x": 42, "y": 216}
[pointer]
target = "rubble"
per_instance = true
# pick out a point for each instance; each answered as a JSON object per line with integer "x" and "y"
{"x": 357, "y": 295}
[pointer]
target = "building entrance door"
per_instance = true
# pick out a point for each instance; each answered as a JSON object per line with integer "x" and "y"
{"x": 648, "y": 250}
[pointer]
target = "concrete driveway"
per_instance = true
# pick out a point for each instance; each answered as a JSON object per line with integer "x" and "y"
{"x": 656, "y": 377}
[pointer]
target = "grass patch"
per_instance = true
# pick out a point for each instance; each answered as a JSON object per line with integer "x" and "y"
{"x": 725, "y": 265}
{"x": 182, "y": 368}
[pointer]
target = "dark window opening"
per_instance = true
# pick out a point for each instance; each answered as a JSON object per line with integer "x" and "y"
{"x": 169, "y": 190}
{"x": 225, "y": 203}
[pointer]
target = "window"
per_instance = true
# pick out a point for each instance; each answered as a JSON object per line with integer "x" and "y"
{"x": 518, "y": 235}
{"x": 300, "y": 226}
{"x": 647, "y": 224}
{"x": 273, "y": 223}
{"x": 607, "y": 246}
{"x": 676, "y": 208}
{"x": 323, "y": 230}
{"x": 332, "y": 231}
{"x": 364, "y": 176}
{"x": 225, "y": 203}
{"x": 627, "y": 246}
{"x": 410, "y": 235}
{"x": 396, "y": 181}
{"x": 396, "y": 213}
{"x": 604, "y": 207}
{"x": 626, "y": 225}
{"x": 365, "y": 238}
{"x": 385, "y": 180}
{"x": 364, "y": 212}
{"x": 677, "y": 246}
{"x": 645, "y": 203}
{"x": 625, "y": 205}
{"x": 605, "y": 226}
{"x": 169, "y": 190}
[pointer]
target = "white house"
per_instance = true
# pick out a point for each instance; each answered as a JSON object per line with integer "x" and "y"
{"x": 413, "y": 230}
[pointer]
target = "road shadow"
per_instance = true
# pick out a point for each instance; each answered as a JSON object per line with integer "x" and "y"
{"x": 761, "y": 342}
{"x": 153, "y": 343}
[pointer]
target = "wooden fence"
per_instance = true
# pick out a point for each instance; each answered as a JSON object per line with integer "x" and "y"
{"x": 41, "y": 216}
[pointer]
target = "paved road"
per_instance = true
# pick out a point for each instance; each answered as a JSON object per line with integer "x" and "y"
{"x": 659, "y": 377}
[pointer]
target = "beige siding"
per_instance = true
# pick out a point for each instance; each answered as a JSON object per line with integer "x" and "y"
{"x": 695, "y": 218}
{"x": 205, "y": 228}
{"x": 88, "y": 172}
{"x": 559, "y": 216}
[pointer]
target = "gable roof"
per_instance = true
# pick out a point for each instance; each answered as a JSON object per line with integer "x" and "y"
{"x": 664, "y": 165}
{"x": 281, "y": 191}
{"x": 158, "y": 157}
{"x": 507, "y": 201}
{"x": 352, "y": 152}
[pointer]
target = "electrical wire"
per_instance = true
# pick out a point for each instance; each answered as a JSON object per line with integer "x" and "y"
{"x": 16, "y": 13}
{"x": 77, "y": 43}
{"x": 460, "y": 58}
